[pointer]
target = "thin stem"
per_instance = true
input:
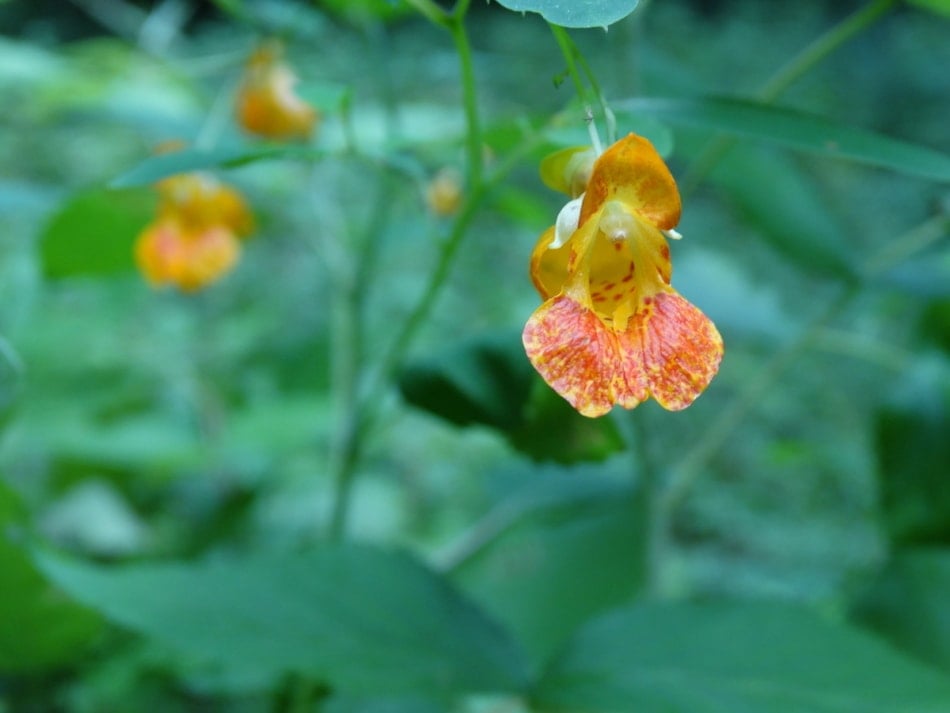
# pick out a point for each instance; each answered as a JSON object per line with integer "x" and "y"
{"x": 569, "y": 50}
{"x": 362, "y": 408}
{"x": 349, "y": 358}
{"x": 473, "y": 133}
{"x": 821, "y": 48}
{"x": 793, "y": 70}
{"x": 432, "y": 12}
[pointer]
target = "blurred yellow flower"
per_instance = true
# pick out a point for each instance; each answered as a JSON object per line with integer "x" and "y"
{"x": 266, "y": 103}
{"x": 444, "y": 193}
{"x": 193, "y": 240}
{"x": 611, "y": 329}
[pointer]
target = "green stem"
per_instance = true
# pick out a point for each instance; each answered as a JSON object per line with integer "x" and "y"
{"x": 569, "y": 50}
{"x": 360, "y": 409}
{"x": 348, "y": 360}
{"x": 821, "y": 48}
{"x": 793, "y": 70}
{"x": 432, "y": 12}
{"x": 473, "y": 133}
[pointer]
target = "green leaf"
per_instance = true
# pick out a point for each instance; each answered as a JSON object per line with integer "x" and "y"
{"x": 577, "y": 13}
{"x": 40, "y": 629}
{"x": 161, "y": 166}
{"x": 941, "y": 7}
{"x": 94, "y": 232}
{"x": 909, "y": 603}
{"x": 485, "y": 380}
{"x": 488, "y": 380}
{"x": 796, "y": 130}
{"x": 734, "y": 658}
{"x": 572, "y": 546}
{"x": 785, "y": 208}
{"x": 361, "y": 620}
{"x": 553, "y": 431}
{"x": 913, "y": 452}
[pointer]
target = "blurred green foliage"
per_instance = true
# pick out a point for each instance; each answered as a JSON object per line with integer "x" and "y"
{"x": 168, "y": 462}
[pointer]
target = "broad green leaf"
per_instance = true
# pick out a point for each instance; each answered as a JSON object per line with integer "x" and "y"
{"x": 94, "y": 232}
{"x": 909, "y": 603}
{"x": 785, "y": 208}
{"x": 913, "y": 453}
{"x": 572, "y": 547}
{"x": 577, "y": 13}
{"x": 734, "y": 658}
{"x": 360, "y": 620}
{"x": 553, "y": 431}
{"x": 161, "y": 166}
{"x": 486, "y": 380}
{"x": 40, "y": 628}
{"x": 941, "y": 7}
{"x": 796, "y": 130}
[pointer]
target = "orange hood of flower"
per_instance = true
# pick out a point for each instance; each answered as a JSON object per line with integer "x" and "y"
{"x": 612, "y": 330}
{"x": 267, "y": 105}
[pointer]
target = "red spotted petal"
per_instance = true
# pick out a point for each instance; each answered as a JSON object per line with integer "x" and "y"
{"x": 580, "y": 358}
{"x": 679, "y": 347}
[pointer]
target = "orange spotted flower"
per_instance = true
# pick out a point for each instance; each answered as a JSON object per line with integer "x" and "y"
{"x": 612, "y": 330}
{"x": 193, "y": 240}
{"x": 266, "y": 102}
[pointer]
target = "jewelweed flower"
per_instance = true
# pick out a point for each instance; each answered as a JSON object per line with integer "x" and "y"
{"x": 266, "y": 102}
{"x": 193, "y": 240}
{"x": 612, "y": 330}
{"x": 444, "y": 193}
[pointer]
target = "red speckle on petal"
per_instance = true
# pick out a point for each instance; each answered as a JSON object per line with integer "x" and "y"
{"x": 579, "y": 356}
{"x": 680, "y": 346}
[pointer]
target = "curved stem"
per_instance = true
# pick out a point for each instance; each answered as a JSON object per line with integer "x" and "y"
{"x": 793, "y": 70}
{"x": 361, "y": 408}
{"x": 569, "y": 50}
{"x": 473, "y": 133}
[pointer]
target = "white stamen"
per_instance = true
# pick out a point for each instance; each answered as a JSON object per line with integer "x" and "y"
{"x": 672, "y": 234}
{"x": 616, "y": 223}
{"x": 566, "y": 222}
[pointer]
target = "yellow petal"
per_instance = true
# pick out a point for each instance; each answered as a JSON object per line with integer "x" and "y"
{"x": 632, "y": 172}
{"x": 568, "y": 170}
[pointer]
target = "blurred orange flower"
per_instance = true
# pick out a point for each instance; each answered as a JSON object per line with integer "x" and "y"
{"x": 266, "y": 102}
{"x": 193, "y": 240}
{"x": 611, "y": 329}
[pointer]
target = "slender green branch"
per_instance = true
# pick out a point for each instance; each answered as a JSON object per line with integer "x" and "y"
{"x": 816, "y": 52}
{"x": 569, "y": 50}
{"x": 473, "y": 134}
{"x": 432, "y": 12}
{"x": 461, "y": 8}
{"x": 822, "y": 47}
{"x": 348, "y": 360}
{"x": 362, "y": 407}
